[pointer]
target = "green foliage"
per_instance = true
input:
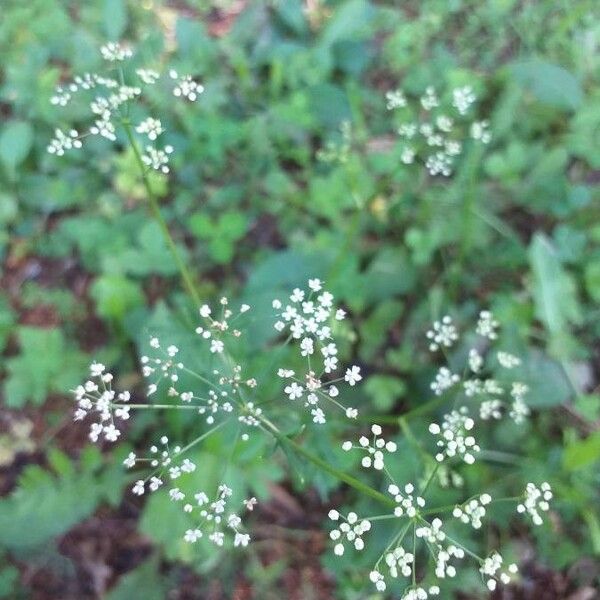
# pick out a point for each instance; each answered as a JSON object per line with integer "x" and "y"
{"x": 46, "y": 364}
{"x": 46, "y": 504}
{"x": 255, "y": 213}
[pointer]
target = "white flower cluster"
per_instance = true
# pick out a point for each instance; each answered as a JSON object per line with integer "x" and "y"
{"x": 455, "y": 439}
{"x": 408, "y": 503}
{"x": 64, "y": 141}
{"x": 308, "y": 318}
{"x": 215, "y": 328}
{"x": 109, "y": 107}
{"x": 97, "y": 397}
{"x": 351, "y": 529}
{"x": 536, "y": 499}
{"x": 436, "y": 134}
{"x": 443, "y": 333}
{"x": 491, "y": 569}
{"x": 472, "y": 511}
{"x": 113, "y": 51}
{"x": 185, "y": 86}
{"x": 214, "y": 519}
{"x": 162, "y": 462}
{"x": 374, "y": 449}
{"x": 337, "y": 151}
{"x": 434, "y": 535}
{"x": 488, "y": 391}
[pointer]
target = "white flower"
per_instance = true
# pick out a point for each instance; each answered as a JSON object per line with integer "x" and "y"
{"x": 151, "y": 127}
{"x": 113, "y": 51}
{"x": 472, "y": 511}
{"x": 351, "y": 528}
{"x": 475, "y": 361}
{"x": 157, "y": 159}
{"x": 353, "y": 375}
{"x": 395, "y": 99}
{"x": 454, "y": 437}
{"x": 192, "y": 535}
{"x": 374, "y": 450}
{"x": 186, "y": 87}
{"x": 462, "y": 98}
{"x": 408, "y": 503}
{"x": 130, "y": 460}
{"x": 216, "y": 346}
{"x": 487, "y": 325}
{"x": 491, "y": 569}
{"x": 443, "y": 333}
{"x": 480, "y": 131}
{"x": 536, "y": 500}
{"x": 508, "y": 361}
{"x": 294, "y": 390}
{"x": 444, "y": 380}
{"x": 429, "y": 100}
{"x": 148, "y": 76}
{"x": 315, "y": 285}
{"x": 138, "y": 488}
{"x": 64, "y": 141}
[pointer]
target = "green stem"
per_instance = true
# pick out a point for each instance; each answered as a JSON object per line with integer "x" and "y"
{"x": 157, "y": 406}
{"x": 186, "y": 276}
{"x": 340, "y": 475}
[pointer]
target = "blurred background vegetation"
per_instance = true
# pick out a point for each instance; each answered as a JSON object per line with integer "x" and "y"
{"x": 85, "y": 274}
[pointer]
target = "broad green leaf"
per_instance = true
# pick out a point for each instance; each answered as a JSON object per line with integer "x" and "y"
{"x": 144, "y": 581}
{"x": 582, "y": 453}
{"x": 114, "y": 19}
{"x": 554, "y": 295}
{"x": 45, "y": 364}
{"x": 115, "y": 295}
{"x": 549, "y": 83}
{"x": 15, "y": 143}
{"x": 46, "y": 505}
{"x": 592, "y": 279}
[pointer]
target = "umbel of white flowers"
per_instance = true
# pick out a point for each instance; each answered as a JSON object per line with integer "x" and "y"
{"x": 109, "y": 98}
{"x": 477, "y": 397}
{"x": 434, "y": 131}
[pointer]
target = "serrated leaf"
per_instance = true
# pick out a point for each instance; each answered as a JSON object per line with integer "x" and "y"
{"x": 45, "y": 364}
{"x": 46, "y": 505}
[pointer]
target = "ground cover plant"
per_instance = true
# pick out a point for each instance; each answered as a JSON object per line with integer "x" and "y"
{"x": 299, "y": 299}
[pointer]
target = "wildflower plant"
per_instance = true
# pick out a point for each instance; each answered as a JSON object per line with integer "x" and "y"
{"x": 314, "y": 382}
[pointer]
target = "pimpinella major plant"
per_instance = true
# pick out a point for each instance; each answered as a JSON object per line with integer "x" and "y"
{"x": 427, "y": 542}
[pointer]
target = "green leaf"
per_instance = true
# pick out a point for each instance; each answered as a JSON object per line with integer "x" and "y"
{"x": 554, "y": 294}
{"x": 15, "y": 143}
{"x": 46, "y": 505}
{"x": 548, "y": 384}
{"x": 349, "y": 22}
{"x": 549, "y": 83}
{"x": 582, "y": 453}
{"x": 114, "y": 19}
{"x": 144, "y": 581}
{"x": 592, "y": 280}
{"x": 384, "y": 390}
{"x": 116, "y": 295}
{"x": 45, "y": 364}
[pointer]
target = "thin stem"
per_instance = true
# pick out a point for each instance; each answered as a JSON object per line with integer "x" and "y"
{"x": 324, "y": 466}
{"x": 159, "y": 406}
{"x": 155, "y": 210}
{"x": 203, "y": 436}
